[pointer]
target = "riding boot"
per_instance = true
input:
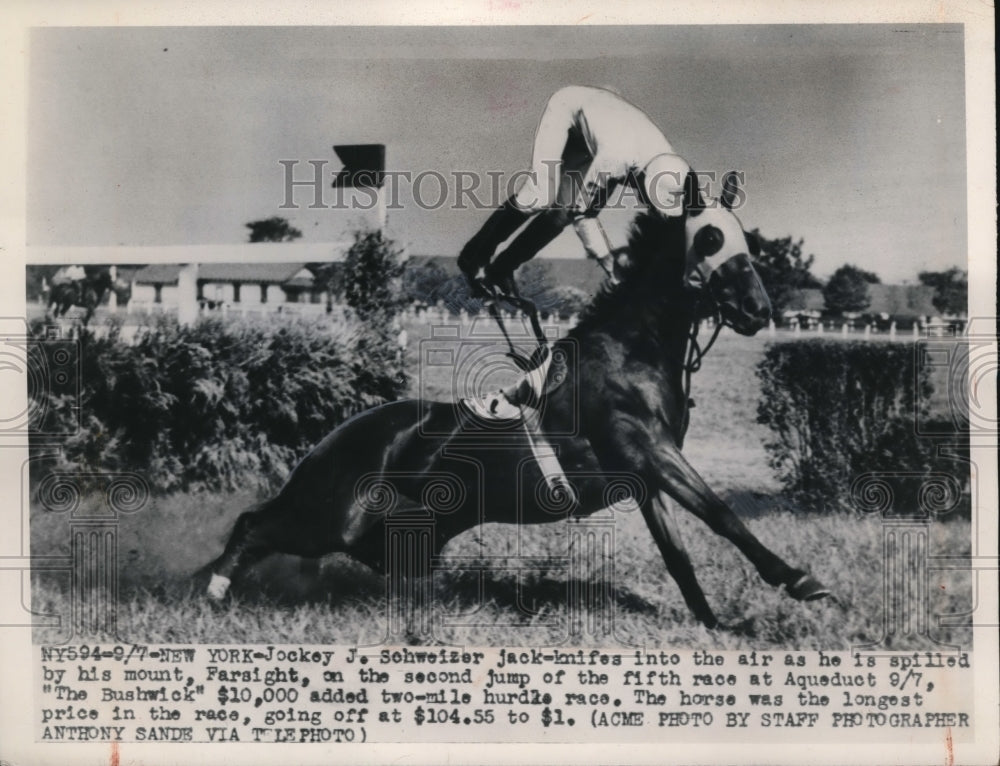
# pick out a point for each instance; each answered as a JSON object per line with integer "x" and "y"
{"x": 545, "y": 228}
{"x": 503, "y": 222}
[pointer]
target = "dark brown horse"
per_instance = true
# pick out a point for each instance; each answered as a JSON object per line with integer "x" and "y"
{"x": 87, "y": 293}
{"x": 621, "y": 411}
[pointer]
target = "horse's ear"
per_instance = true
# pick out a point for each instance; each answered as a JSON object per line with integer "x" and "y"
{"x": 730, "y": 189}
{"x": 694, "y": 203}
{"x": 753, "y": 243}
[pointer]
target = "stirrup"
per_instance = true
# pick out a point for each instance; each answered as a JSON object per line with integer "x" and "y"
{"x": 493, "y": 407}
{"x": 530, "y": 389}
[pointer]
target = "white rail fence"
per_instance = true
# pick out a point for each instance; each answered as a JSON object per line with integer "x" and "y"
{"x": 137, "y": 312}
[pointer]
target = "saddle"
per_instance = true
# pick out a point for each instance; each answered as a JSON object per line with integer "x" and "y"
{"x": 520, "y": 404}
{"x": 523, "y": 399}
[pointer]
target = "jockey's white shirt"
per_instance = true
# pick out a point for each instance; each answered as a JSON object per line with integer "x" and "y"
{"x": 619, "y": 136}
{"x": 68, "y": 274}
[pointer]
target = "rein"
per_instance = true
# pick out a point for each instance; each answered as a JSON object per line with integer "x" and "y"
{"x": 696, "y": 353}
{"x": 694, "y": 356}
{"x": 528, "y": 308}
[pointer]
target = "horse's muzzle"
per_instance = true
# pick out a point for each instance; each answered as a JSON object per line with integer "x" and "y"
{"x": 740, "y": 295}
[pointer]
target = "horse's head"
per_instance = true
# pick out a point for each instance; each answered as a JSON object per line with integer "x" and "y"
{"x": 100, "y": 281}
{"x": 98, "y": 278}
{"x": 717, "y": 258}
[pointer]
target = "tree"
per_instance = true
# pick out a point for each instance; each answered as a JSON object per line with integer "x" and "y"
{"x": 371, "y": 278}
{"x": 534, "y": 280}
{"x": 537, "y": 282}
{"x": 456, "y": 295}
{"x": 847, "y": 289}
{"x": 565, "y": 300}
{"x": 370, "y": 283}
{"x": 35, "y": 277}
{"x": 424, "y": 282}
{"x": 783, "y": 269}
{"x": 869, "y": 276}
{"x": 951, "y": 289}
{"x": 275, "y": 229}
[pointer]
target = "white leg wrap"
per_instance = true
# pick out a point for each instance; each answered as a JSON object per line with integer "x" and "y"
{"x": 218, "y": 586}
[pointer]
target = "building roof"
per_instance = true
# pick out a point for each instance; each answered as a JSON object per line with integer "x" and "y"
{"x": 304, "y": 279}
{"x": 243, "y": 252}
{"x": 583, "y": 273}
{"x": 895, "y": 300}
{"x": 902, "y": 300}
{"x": 259, "y": 273}
{"x": 157, "y": 274}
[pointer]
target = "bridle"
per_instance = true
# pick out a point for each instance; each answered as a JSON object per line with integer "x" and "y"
{"x": 696, "y": 353}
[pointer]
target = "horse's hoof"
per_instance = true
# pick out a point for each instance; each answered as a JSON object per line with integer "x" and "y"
{"x": 217, "y": 587}
{"x": 710, "y": 621}
{"x": 808, "y": 588}
{"x": 747, "y": 627}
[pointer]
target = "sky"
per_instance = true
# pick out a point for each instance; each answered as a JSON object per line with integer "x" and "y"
{"x": 851, "y": 138}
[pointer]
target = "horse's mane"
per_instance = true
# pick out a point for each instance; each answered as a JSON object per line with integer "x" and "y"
{"x": 653, "y": 276}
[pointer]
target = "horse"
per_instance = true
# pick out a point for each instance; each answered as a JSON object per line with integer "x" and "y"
{"x": 87, "y": 293}
{"x": 621, "y": 410}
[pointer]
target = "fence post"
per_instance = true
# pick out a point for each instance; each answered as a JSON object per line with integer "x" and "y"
{"x": 187, "y": 294}
{"x": 112, "y": 295}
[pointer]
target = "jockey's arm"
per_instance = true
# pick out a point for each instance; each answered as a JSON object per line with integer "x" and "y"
{"x": 589, "y": 230}
{"x": 595, "y": 242}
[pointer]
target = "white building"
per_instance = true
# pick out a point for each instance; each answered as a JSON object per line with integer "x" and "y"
{"x": 253, "y": 285}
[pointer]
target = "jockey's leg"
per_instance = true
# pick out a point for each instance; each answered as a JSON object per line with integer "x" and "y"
{"x": 563, "y": 196}
{"x": 541, "y": 231}
{"x": 560, "y": 158}
{"x": 503, "y": 222}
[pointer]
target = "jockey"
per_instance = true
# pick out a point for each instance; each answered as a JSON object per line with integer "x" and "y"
{"x": 588, "y": 141}
{"x": 68, "y": 274}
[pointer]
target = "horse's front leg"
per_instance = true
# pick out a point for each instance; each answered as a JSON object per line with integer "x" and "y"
{"x": 629, "y": 445}
{"x": 663, "y": 526}
{"x": 682, "y": 482}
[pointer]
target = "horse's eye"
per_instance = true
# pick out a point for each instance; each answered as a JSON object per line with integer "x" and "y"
{"x": 708, "y": 241}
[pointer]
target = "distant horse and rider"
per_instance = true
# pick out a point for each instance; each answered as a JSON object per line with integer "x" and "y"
{"x": 607, "y": 401}
{"x": 83, "y": 287}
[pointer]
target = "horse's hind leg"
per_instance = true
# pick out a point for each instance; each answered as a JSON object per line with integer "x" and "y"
{"x": 250, "y": 541}
{"x": 661, "y": 522}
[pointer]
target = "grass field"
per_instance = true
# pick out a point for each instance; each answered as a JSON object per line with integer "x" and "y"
{"x": 342, "y": 602}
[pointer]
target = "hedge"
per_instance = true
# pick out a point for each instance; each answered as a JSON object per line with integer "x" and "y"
{"x": 217, "y": 405}
{"x": 839, "y": 410}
